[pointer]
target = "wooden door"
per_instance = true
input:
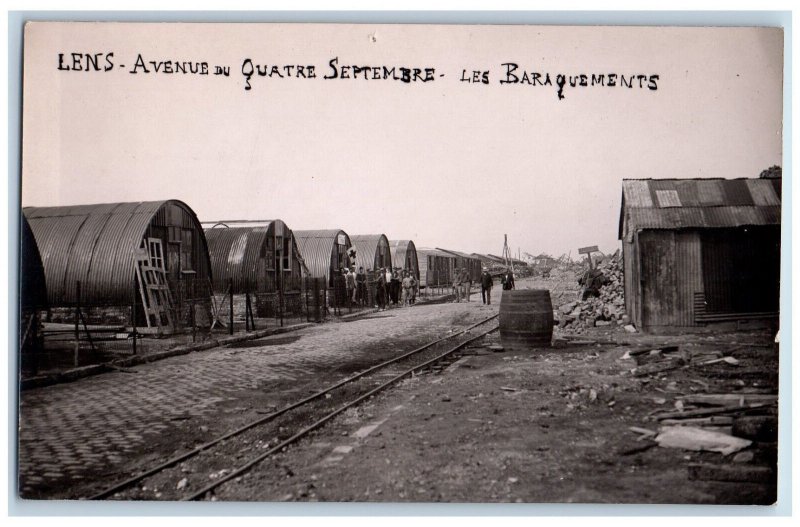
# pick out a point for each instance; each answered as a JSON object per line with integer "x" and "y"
{"x": 657, "y": 274}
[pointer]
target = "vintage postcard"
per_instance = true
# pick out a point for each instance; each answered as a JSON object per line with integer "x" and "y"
{"x": 400, "y": 263}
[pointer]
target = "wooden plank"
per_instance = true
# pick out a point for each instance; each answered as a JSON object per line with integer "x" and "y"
{"x": 702, "y": 412}
{"x": 656, "y": 367}
{"x": 729, "y": 399}
{"x": 736, "y": 473}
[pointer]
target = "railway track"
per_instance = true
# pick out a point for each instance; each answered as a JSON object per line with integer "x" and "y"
{"x": 203, "y": 469}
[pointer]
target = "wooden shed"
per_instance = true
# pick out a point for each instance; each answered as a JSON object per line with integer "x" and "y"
{"x": 111, "y": 248}
{"x": 699, "y": 251}
{"x": 262, "y": 259}
{"x": 372, "y": 251}
{"x": 404, "y": 256}
{"x": 324, "y": 251}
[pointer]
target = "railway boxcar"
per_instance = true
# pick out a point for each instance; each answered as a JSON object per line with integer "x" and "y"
{"x": 468, "y": 261}
{"x": 94, "y": 255}
{"x": 436, "y": 268}
{"x": 324, "y": 252}
{"x": 404, "y": 255}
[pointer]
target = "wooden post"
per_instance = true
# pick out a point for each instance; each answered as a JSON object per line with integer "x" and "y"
{"x": 230, "y": 303}
{"x": 77, "y": 321}
{"x": 133, "y": 316}
{"x": 280, "y": 303}
{"x": 194, "y": 320}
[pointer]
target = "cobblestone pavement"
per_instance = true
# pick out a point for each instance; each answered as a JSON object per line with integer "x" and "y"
{"x": 100, "y": 426}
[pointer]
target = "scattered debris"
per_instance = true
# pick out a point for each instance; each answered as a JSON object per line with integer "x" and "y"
{"x": 182, "y": 484}
{"x": 694, "y": 438}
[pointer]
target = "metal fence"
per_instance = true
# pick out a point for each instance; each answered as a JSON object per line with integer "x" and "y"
{"x": 65, "y": 337}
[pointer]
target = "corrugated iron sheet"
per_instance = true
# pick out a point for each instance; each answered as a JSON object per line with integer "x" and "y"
{"x": 712, "y": 203}
{"x": 235, "y": 255}
{"x": 636, "y": 193}
{"x": 763, "y": 192}
{"x": 368, "y": 251}
{"x": 95, "y": 244}
{"x": 318, "y": 249}
{"x": 710, "y": 192}
{"x": 404, "y": 255}
{"x": 239, "y": 257}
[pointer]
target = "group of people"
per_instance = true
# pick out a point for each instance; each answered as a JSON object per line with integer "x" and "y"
{"x": 487, "y": 282}
{"x": 395, "y": 287}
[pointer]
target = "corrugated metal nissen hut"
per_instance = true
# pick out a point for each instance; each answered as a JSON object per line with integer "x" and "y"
{"x": 699, "y": 251}
{"x": 104, "y": 247}
{"x": 262, "y": 260}
{"x": 404, "y": 256}
{"x": 324, "y": 252}
{"x": 372, "y": 251}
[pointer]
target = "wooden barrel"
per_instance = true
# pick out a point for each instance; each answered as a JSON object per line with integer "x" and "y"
{"x": 526, "y": 318}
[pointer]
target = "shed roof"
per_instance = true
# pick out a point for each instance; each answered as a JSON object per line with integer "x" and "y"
{"x": 697, "y": 203}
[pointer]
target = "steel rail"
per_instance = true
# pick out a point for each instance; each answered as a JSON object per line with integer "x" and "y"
{"x": 305, "y": 431}
{"x": 205, "y": 446}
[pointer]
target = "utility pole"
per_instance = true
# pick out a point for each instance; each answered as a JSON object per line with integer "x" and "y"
{"x": 507, "y": 253}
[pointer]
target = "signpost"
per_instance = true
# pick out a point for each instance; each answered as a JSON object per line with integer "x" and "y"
{"x": 588, "y": 252}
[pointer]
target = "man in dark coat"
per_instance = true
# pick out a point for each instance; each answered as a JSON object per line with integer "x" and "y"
{"x": 361, "y": 286}
{"x": 486, "y": 287}
{"x": 508, "y": 280}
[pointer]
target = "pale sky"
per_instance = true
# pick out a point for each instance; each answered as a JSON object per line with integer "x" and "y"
{"x": 445, "y": 163}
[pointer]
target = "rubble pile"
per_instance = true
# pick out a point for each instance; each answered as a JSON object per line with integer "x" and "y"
{"x": 608, "y": 309}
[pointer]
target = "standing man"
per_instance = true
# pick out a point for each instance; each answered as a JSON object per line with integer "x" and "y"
{"x": 486, "y": 287}
{"x": 414, "y": 287}
{"x": 350, "y": 278}
{"x": 508, "y": 280}
{"x": 361, "y": 286}
{"x": 467, "y": 284}
{"x": 380, "y": 289}
{"x": 457, "y": 284}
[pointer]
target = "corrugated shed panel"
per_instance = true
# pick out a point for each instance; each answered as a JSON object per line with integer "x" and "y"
{"x": 33, "y": 293}
{"x": 710, "y": 193}
{"x": 96, "y": 244}
{"x": 235, "y": 254}
{"x": 369, "y": 249}
{"x": 630, "y": 279}
{"x": 688, "y": 276}
{"x": 688, "y": 193}
{"x": 777, "y": 186}
{"x": 763, "y": 192}
{"x": 317, "y": 247}
{"x": 637, "y": 193}
{"x": 737, "y": 192}
{"x": 698, "y": 217}
{"x": 731, "y": 216}
{"x": 668, "y": 198}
